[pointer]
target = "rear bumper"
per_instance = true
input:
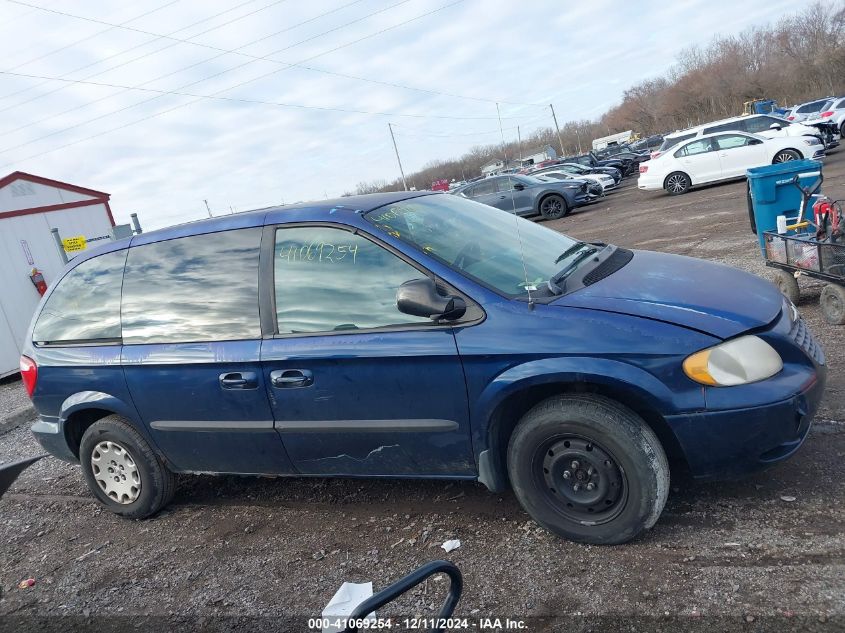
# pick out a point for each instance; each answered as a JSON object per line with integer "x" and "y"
{"x": 51, "y": 436}
{"x": 732, "y": 443}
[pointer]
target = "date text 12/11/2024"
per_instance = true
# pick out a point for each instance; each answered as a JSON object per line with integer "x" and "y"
{"x": 418, "y": 624}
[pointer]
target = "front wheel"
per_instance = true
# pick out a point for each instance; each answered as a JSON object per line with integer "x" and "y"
{"x": 785, "y": 156}
{"x": 588, "y": 469}
{"x": 122, "y": 471}
{"x": 553, "y": 207}
{"x": 677, "y": 183}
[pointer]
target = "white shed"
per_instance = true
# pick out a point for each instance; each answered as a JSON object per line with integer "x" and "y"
{"x": 30, "y": 206}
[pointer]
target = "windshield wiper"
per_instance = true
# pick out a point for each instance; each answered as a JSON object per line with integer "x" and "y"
{"x": 555, "y": 284}
{"x": 577, "y": 246}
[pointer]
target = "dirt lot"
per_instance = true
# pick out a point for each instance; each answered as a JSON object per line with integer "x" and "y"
{"x": 263, "y": 553}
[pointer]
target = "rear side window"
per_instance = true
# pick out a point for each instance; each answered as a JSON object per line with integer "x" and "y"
{"x": 669, "y": 143}
{"x": 85, "y": 306}
{"x": 483, "y": 188}
{"x": 696, "y": 147}
{"x": 198, "y": 288}
{"x": 733, "y": 126}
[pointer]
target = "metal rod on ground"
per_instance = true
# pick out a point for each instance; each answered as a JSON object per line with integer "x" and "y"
{"x": 208, "y": 208}
{"x": 398, "y": 160}
{"x": 559, "y": 139}
{"x": 135, "y": 223}
{"x": 59, "y": 244}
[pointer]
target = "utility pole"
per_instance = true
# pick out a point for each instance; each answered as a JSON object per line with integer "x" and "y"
{"x": 208, "y": 208}
{"x": 398, "y": 160}
{"x": 578, "y": 136}
{"x": 559, "y": 139}
{"x": 519, "y": 144}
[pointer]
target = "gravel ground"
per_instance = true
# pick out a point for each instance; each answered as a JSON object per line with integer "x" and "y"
{"x": 244, "y": 552}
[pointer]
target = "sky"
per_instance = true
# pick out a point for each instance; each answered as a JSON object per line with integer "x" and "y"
{"x": 281, "y": 101}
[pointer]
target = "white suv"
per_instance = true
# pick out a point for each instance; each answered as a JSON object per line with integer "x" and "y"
{"x": 761, "y": 124}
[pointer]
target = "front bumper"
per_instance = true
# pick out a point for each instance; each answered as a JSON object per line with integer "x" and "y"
{"x": 729, "y": 444}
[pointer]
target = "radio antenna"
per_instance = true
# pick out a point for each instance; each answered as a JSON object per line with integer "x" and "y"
{"x": 515, "y": 216}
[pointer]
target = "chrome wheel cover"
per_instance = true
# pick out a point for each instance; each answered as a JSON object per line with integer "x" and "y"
{"x": 115, "y": 472}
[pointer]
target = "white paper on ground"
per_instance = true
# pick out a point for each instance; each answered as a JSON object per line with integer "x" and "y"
{"x": 450, "y": 545}
{"x": 349, "y": 596}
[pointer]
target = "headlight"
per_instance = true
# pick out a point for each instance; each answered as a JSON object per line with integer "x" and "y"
{"x": 813, "y": 141}
{"x": 735, "y": 362}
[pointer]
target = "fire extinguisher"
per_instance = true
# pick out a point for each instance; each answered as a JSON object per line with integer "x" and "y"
{"x": 37, "y": 279}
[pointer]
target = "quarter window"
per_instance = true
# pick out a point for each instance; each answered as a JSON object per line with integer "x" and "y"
{"x": 85, "y": 306}
{"x": 198, "y": 288}
{"x": 331, "y": 280}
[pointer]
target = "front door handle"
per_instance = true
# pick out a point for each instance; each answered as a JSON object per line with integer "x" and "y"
{"x": 239, "y": 380}
{"x": 291, "y": 378}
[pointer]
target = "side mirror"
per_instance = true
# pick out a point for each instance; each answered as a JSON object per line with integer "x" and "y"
{"x": 419, "y": 297}
{"x": 518, "y": 186}
{"x": 775, "y": 126}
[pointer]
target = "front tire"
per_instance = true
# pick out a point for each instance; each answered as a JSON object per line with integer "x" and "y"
{"x": 122, "y": 471}
{"x": 588, "y": 469}
{"x": 677, "y": 183}
{"x": 553, "y": 207}
{"x": 785, "y": 156}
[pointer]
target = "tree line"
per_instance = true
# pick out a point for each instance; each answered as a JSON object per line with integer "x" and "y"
{"x": 800, "y": 58}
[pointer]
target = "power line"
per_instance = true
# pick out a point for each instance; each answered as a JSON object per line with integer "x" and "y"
{"x": 267, "y": 58}
{"x": 142, "y": 45}
{"x": 98, "y": 33}
{"x": 184, "y": 68}
{"x": 104, "y": 132}
{"x": 201, "y": 80}
{"x": 217, "y": 97}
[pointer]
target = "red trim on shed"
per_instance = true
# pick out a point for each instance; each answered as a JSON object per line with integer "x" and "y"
{"x": 58, "y": 207}
{"x": 40, "y": 180}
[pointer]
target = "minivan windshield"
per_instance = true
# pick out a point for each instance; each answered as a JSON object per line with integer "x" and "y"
{"x": 480, "y": 242}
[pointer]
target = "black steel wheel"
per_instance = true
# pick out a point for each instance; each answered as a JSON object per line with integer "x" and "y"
{"x": 785, "y": 156}
{"x": 583, "y": 479}
{"x": 677, "y": 183}
{"x": 553, "y": 207}
{"x": 588, "y": 469}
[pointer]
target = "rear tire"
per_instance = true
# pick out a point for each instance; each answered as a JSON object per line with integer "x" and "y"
{"x": 553, "y": 207}
{"x": 588, "y": 469}
{"x": 677, "y": 183}
{"x": 113, "y": 454}
{"x": 832, "y": 303}
{"x": 785, "y": 156}
{"x": 788, "y": 285}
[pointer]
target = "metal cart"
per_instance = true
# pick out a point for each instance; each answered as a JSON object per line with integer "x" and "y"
{"x": 796, "y": 255}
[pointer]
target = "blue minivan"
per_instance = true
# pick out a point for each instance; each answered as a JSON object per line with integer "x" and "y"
{"x": 416, "y": 335}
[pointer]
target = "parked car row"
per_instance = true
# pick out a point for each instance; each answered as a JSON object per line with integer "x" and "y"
{"x": 529, "y": 196}
{"x": 706, "y": 158}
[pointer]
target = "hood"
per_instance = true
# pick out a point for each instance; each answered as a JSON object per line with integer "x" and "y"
{"x": 694, "y": 293}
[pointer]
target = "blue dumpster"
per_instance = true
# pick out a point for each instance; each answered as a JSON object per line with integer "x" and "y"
{"x": 772, "y": 193}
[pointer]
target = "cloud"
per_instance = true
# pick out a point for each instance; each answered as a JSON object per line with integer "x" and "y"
{"x": 163, "y": 165}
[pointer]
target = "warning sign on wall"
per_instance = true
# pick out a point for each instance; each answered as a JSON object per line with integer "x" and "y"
{"x": 73, "y": 244}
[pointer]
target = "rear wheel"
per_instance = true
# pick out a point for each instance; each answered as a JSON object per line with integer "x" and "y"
{"x": 588, "y": 469}
{"x": 785, "y": 155}
{"x": 553, "y": 207}
{"x": 787, "y": 284}
{"x": 122, "y": 470}
{"x": 832, "y": 303}
{"x": 677, "y": 183}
